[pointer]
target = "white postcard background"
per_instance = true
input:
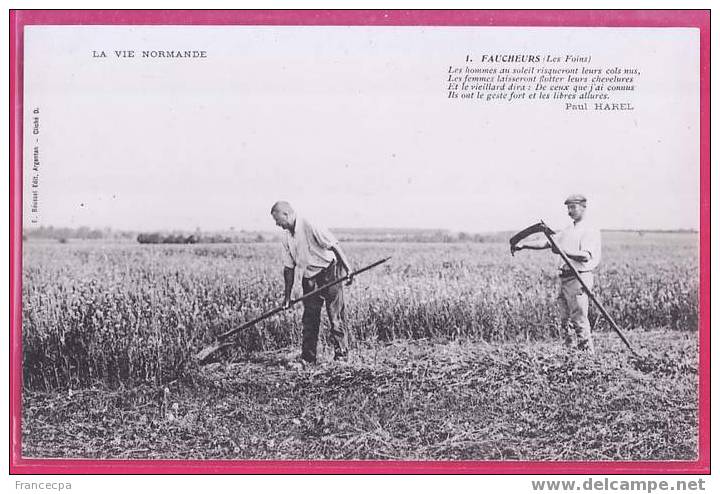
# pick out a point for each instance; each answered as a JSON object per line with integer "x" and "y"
{"x": 351, "y": 124}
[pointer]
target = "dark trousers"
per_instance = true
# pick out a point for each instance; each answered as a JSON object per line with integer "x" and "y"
{"x": 334, "y": 305}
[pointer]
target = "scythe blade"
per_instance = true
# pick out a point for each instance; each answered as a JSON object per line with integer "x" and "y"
{"x": 540, "y": 227}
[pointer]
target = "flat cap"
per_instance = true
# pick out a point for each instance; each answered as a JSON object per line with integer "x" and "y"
{"x": 576, "y": 199}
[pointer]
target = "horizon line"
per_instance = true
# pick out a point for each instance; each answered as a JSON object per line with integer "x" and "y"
{"x": 336, "y": 229}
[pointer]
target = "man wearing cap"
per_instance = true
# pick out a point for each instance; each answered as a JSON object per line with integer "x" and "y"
{"x": 316, "y": 253}
{"x": 581, "y": 243}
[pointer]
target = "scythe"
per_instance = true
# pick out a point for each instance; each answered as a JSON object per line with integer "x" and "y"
{"x": 224, "y": 339}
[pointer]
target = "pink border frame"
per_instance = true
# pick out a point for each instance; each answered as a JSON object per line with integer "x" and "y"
{"x": 699, "y": 19}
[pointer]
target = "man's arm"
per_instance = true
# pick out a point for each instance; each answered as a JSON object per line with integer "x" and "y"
{"x": 578, "y": 255}
{"x": 340, "y": 254}
{"x": 589, "y": 247}
{"x": 342, "y": 257}
{"x": 534, "y": 245}
{"x": 327, "y": 240}
{"x": 575, "y": 255}
{"x": 289, "y": 277}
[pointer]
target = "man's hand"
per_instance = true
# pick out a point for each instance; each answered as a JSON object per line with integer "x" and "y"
{"x": 286, "y": 303}
{"x": 349, "y": 271}
{"x": 580, "y": 255}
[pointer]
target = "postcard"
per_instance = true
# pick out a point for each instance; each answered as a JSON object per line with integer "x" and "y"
{"x": 360, "y": 242}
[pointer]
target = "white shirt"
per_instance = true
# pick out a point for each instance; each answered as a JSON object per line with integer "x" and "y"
{"x": 308, "y": 249}
{"x": 584, "y": 237}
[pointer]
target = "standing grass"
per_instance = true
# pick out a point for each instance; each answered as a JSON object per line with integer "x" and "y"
{"x": 127, "y": 315}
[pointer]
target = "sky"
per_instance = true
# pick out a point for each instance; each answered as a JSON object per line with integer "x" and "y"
{"x": 353, "y": 126}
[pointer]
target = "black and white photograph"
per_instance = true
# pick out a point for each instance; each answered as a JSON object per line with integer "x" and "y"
{"x": 414, "y": 243}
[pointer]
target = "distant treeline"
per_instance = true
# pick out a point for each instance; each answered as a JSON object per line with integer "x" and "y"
{"x": 82, "y": 232}
{"x": 159, "y": 238}
{"x": 415, "y": 235}
{"x": 63, "y": 234}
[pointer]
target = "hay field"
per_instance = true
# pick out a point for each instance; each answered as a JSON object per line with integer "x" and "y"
{"x": 456, "y": 355}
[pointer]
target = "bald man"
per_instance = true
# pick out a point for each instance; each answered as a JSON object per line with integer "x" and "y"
{"x": 316, "y": 253}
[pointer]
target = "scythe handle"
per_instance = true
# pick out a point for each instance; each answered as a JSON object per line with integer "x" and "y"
{"x": 597, "y": 303}
{"x": 277, "y": 310}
